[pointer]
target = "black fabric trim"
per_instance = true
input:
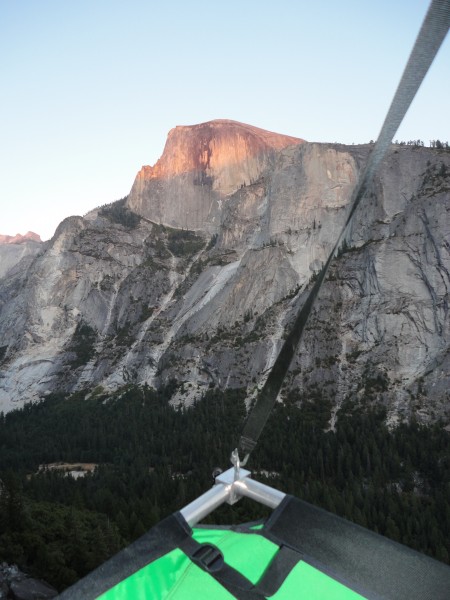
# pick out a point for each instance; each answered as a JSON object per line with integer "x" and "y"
{"x": 280, "y": 567}
{"x": 364, "y": 561}
{"x": 268, "y": 533}
{"x": 275, "y": 515}
{"x": 161, "y": 539}
{"x": 247, "y": 527}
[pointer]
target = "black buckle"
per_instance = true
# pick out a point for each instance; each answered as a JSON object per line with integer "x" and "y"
{"x": 208, "y": 557}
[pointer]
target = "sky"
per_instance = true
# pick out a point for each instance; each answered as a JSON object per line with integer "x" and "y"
{"x": 90, "y": 89}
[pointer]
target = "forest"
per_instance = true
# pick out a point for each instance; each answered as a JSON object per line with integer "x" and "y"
{"x": 153, "y": 458}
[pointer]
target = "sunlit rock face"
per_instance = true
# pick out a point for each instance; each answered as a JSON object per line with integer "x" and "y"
{"x": 200, "y": 167}
{"x": 115, "y": 298}
{"x": 19, "y": 239}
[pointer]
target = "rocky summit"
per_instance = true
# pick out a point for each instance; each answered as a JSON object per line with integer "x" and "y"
{"x": 195, "y": 276}
{"x": 20, "y": 239}
{"x": 200, "y": 167}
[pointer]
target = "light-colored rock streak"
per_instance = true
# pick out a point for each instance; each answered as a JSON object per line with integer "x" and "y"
{"x": 174, "y": 281}
{"x": 190, "y": 307}
{"x": 121, "y": 373}
{"x": 111, "y": 304}
{"x": 119, "y": 376}
{"x": 275, "y": 342}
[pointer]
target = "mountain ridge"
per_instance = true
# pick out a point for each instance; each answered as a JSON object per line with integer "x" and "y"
{"x": 194, "y": 143}
{"x": 123, "y": 297}
{"x": 20, "y": 239}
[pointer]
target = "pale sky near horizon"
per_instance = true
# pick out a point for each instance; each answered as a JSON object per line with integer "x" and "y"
{"x": 90, "y": 89}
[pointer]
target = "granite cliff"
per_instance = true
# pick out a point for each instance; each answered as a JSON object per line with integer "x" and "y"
{"x": 195, "y": 275}
{"x": 200, "y": 167}
{"x": 15, "y": 248}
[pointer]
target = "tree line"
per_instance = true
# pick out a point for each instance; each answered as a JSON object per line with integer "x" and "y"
{"x": 154, "y": 458}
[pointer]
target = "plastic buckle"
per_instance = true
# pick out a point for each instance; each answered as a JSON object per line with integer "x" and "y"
{"x": 208, "y": 557}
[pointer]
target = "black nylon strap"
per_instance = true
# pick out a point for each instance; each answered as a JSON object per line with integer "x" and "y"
{"x": 429, "y": 40}
{"x": 280, "y": 567}
{"x": 237, "y": 584}
{"x": 228, "y": 577}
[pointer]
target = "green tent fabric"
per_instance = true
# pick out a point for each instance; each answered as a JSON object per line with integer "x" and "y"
{"x": 172, "y": 576}
{"x": 176, "y": 577}
{"x": 300, "y": 552}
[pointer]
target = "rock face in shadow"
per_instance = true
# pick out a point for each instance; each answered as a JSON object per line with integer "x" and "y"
{"x": 16, "y": 585}
{"x": 32, "y": 589}
{"x": 201, "y": 165}
{"x": 119, "y": 297}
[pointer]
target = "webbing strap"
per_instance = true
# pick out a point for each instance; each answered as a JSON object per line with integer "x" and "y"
{"x": 235, "y": 582}
{"x": 213, "y": 563}
{"x": 280, "y": 567}
{"x": 429, "y": 40}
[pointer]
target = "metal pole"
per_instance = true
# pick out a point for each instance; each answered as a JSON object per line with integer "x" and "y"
{"x": 205, "y": 504}
{"x": 230, "y": 489}
{"x": 260, "y": 492}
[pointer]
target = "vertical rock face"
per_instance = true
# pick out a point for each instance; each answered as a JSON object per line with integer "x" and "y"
{"x": 201, "y": 165}
{"x": 116, "y": 298}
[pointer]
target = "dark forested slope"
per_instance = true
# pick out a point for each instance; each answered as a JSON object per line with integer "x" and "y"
{"x": 153, "y": 458}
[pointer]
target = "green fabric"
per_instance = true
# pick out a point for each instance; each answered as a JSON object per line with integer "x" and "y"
{"x": 171, "y": 577}
{"x": 305, "y": 582}
{"x": 248, "y": 553}
{"x": 175, "y": 577}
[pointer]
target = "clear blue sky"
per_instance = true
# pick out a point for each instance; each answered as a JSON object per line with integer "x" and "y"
{"x": 89, "y": 89}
